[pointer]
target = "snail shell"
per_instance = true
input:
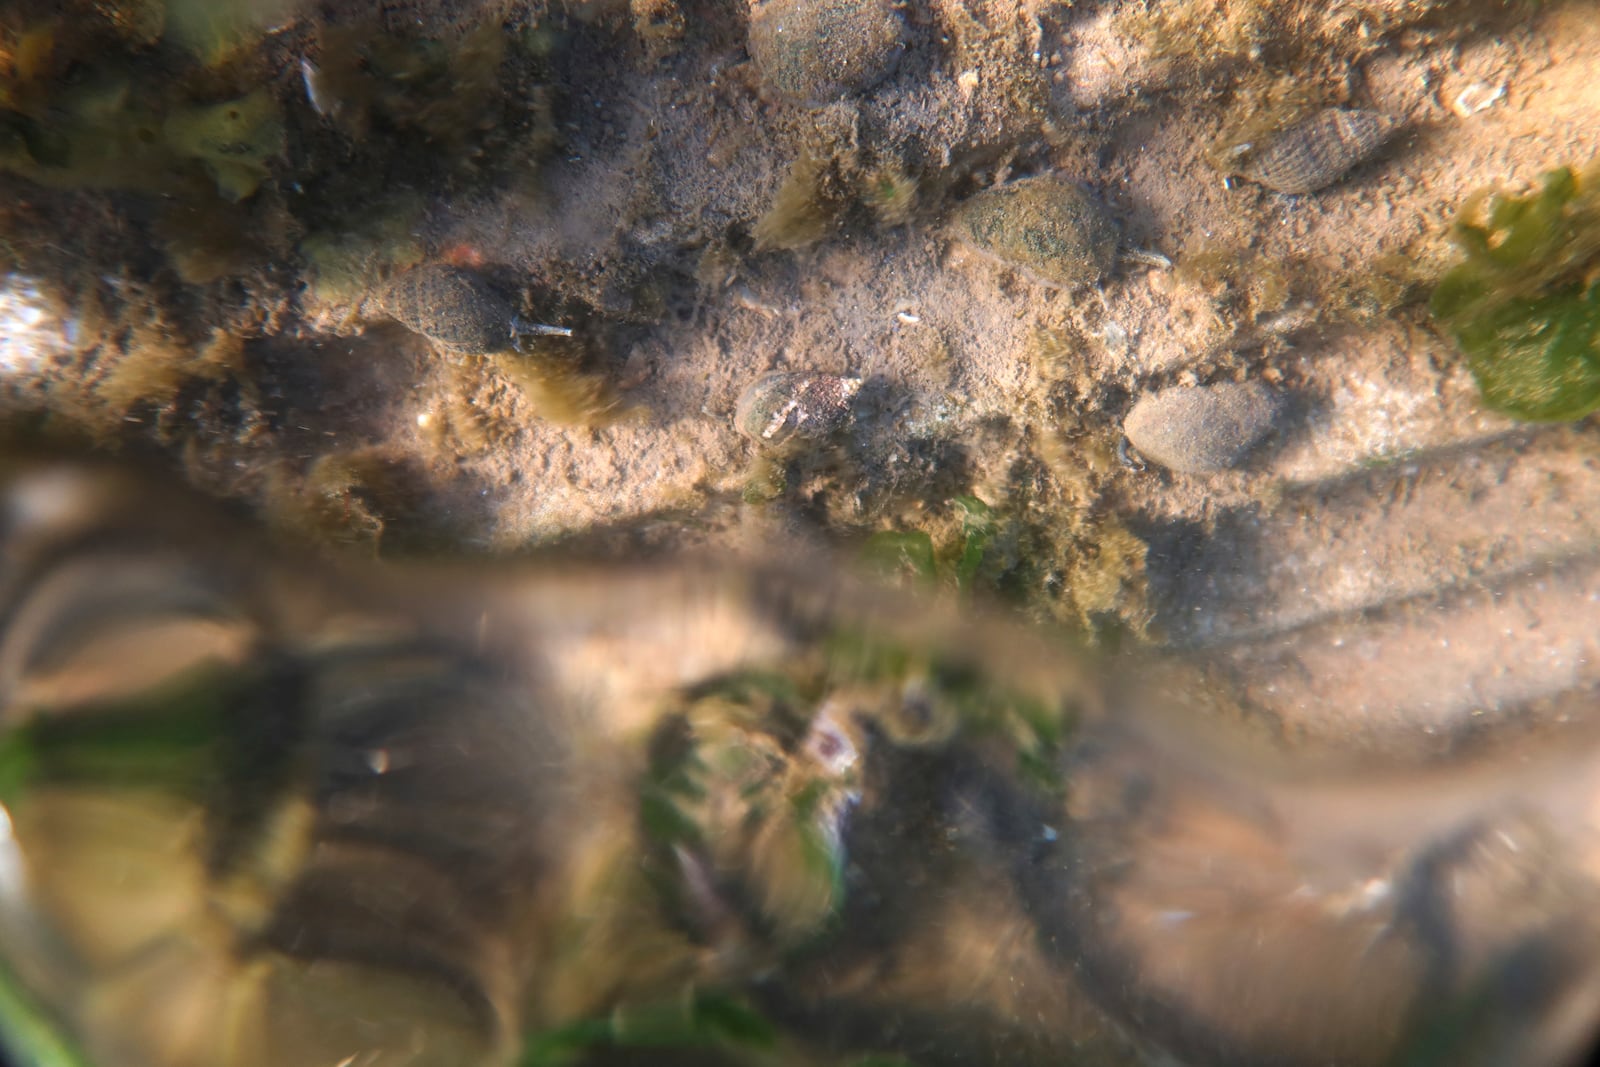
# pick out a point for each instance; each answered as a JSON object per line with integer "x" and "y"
{"x": 1318, "y": 151}
{"x": 813, "y": 52}
{"x": 785, "y": 407}
{"x": 456, "y": 309}
{"x": 1051, "y": 228}
{"x": 1203, "y": 429}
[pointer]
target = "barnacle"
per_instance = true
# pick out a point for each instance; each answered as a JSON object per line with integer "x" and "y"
{"x": 1524, "y": 305}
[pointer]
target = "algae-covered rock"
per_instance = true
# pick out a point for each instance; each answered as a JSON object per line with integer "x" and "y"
{"x": 812, "y": 52}
{"x": 1525, "y": 303}
{"x": 1050, "y": 228}
{"x": 380, "y": 241}
{"x": 211, "y": 30}
{"x": 1201, "y": 430}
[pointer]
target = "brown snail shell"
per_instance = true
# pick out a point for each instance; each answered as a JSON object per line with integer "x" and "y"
{"x": 456, "y": 309}
{"x": 1318, "y": 151}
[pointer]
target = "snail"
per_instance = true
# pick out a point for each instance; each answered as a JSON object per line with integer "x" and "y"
{"x": 1317, "y": 151}
{"x": 1048, "y": 227}
{"x": 459, "y": 310}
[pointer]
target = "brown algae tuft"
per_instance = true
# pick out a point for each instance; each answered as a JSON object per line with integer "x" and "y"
{"x": 1524, "y": 305}
{"x": 805, "y": 208}
{"x": 560, "y": 389}
{"x": 813, "y": 52}
{"x": 1050, "y": 228}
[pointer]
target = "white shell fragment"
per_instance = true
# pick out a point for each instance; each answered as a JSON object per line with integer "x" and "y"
{"x": 787, "y": 406}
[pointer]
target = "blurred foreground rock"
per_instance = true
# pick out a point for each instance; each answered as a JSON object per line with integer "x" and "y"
{"x": 265, "y": 810}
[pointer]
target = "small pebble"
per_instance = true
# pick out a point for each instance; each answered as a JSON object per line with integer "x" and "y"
{"x": 786, "y": 407}
{"x": 813, "y": 52}
{"x": 1050, "y": 228}
{"x": 1204, "y": 429}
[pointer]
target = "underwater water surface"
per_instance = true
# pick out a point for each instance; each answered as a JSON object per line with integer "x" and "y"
{"x": 801, "y": 532}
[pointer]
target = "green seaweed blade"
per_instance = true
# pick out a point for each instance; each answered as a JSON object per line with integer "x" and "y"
{"x": 1524, "y": 305}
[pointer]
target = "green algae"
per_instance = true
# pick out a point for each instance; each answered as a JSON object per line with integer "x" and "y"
{"x": 234, "y": 139}
{"x": 28, "y": 1033}
{"x": 895, "y": 553}
{"x": 702, "y": 1019}
{"x": 911, "y": 553}
{"x": 1524, "y": 305}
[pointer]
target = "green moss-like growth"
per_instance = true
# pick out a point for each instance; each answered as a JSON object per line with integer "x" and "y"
{"x": 212, "y": 30}
{"x": 903, "y": 553}
{"x": 709, "y": 1020}
{"x": 344, "y": 260}
{"x": 1243, "y": 285}
{"x": 891, "y": 193}
{"x": 1524, "y": 305}
{"x": 234, "y": 139}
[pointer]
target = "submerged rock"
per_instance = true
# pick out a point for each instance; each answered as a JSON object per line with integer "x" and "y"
{"x": 1050, "y": 228}
{"x": 813, "y": 52}
{"x": 1204, "y": 429}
